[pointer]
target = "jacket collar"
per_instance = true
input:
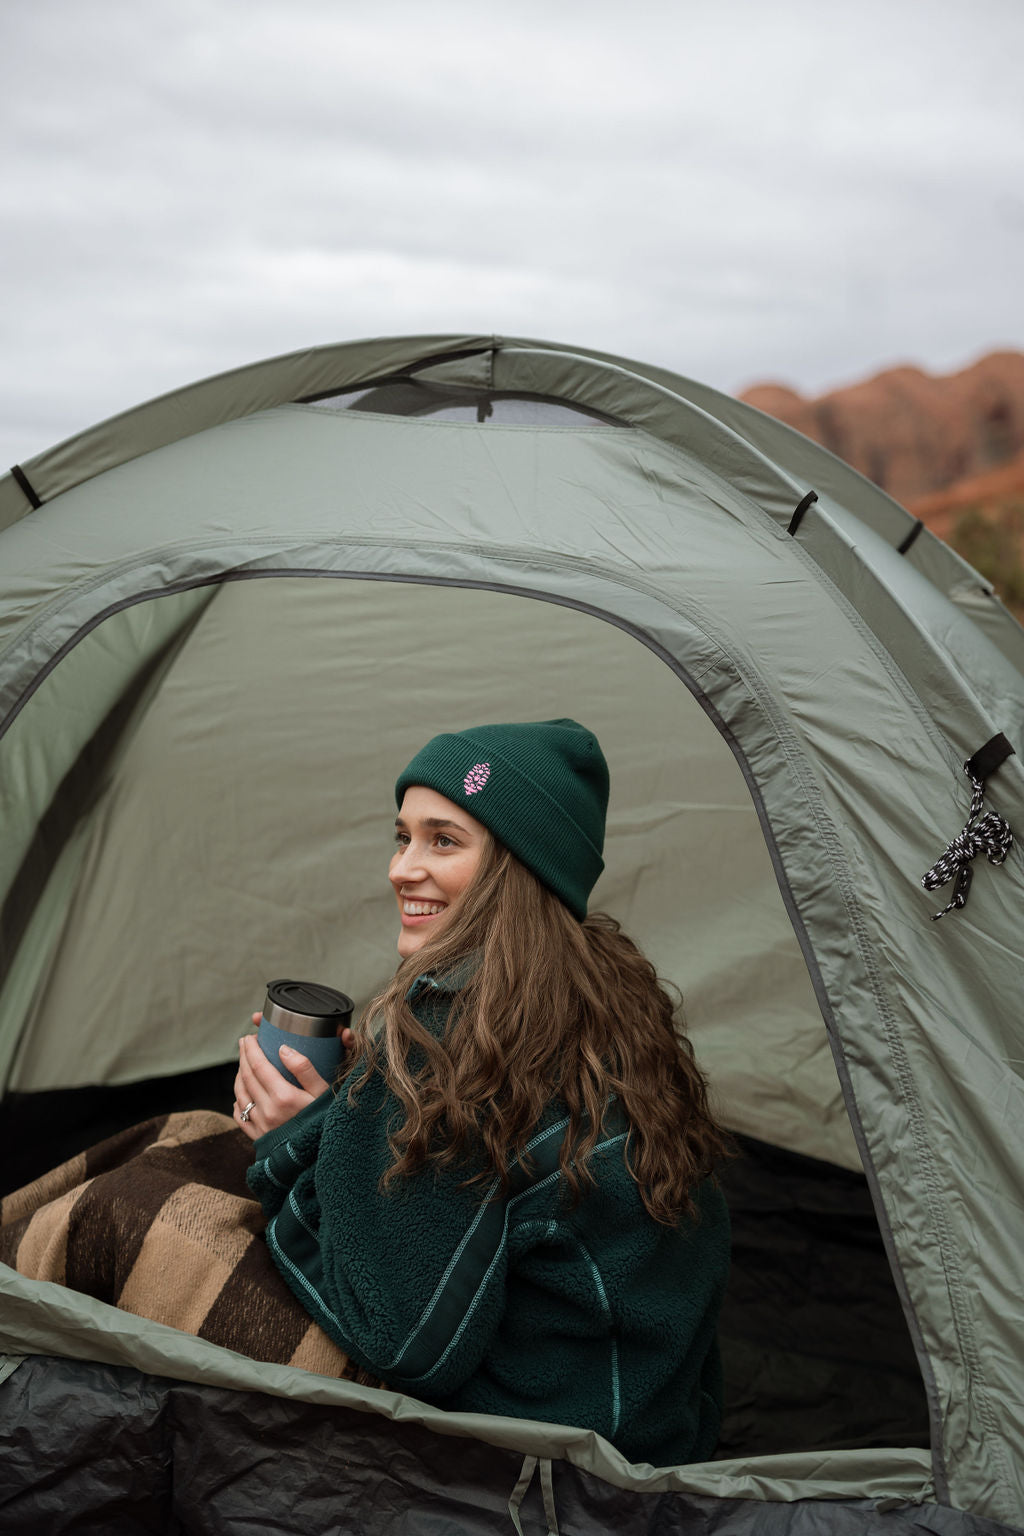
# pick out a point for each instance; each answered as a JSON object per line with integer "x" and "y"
{"x": 445, "y": 982}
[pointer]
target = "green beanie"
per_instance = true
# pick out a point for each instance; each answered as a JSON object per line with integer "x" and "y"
{"x": 540, "y": 786}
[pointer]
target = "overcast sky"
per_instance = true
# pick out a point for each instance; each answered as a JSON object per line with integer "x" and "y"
{"x": 802, "y": 190}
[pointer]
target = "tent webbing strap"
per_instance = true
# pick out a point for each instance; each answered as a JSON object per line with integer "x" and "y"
{"x": 988, "y": 758}
{"x": 800, "y": 509}
{"x": 26, "y": 485}
{"x": 547, "y": 1488}
{"x": 904, "y": 545}
{"x": 989, "y": 834}
{"x": 9, "y": 1364}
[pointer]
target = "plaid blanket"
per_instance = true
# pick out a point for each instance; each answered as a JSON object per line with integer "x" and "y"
{"x": 158, "y": 1221}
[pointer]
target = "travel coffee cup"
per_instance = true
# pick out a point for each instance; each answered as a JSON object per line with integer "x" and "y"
{"x": 308, "y": 1017}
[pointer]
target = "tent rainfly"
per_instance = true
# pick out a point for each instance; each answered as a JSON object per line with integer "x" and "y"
{"x": 228, "y": 616}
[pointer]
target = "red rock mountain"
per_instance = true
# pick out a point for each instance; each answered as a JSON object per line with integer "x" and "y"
{"x": 911, "y": 432}
{"x": 950, "y": 449}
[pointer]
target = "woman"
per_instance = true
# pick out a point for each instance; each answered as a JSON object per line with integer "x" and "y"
{"x": 507, "y": 1207}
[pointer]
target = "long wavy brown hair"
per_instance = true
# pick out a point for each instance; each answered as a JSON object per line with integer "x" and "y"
{"x": 551, "y": 1009}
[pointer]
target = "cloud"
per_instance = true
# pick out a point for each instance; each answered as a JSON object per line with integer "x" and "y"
{"x": 739, "y": 191}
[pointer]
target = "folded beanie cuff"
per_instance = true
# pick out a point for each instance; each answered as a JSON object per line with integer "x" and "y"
{"x": 526, "y": 810}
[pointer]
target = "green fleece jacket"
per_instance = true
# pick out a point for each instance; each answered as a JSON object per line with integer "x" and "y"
{"x": 519, "y": 1305}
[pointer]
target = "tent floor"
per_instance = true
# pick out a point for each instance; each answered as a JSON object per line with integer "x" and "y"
{"x": 815, "y": 1348}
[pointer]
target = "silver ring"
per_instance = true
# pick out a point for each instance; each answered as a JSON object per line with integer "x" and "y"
{"x": 247, "y": 1111}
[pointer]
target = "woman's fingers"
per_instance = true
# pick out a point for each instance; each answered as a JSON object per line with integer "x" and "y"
{"x": 302, "y": 1068}
{"x": 243, "y": 1086}
{"x": 251, "y": 1127}
{"x": 251, "y": 1097}
{"x": 258, "y": 1071}
{"x": 241, "y": 1095}
{"x": 245, "y": 1098}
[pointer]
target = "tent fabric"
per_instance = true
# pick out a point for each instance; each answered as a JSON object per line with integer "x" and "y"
{"x": 86, "y": 1332}
{"x": 148, "y": 1453}
{"x": 250, "y": 643}
{"x": 236, "y": 537}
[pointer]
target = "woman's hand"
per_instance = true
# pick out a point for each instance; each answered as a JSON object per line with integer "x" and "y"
{"x": 272, "y": 1098}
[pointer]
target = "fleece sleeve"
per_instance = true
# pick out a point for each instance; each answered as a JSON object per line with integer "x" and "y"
{"x": 283, "y": 1155}
{"x": 409, "y": 1281}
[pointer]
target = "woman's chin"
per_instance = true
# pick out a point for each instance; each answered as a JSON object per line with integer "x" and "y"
{"x": 412, "y": 940}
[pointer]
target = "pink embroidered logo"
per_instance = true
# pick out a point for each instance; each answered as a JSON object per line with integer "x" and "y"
{"x": 476, "y": 778}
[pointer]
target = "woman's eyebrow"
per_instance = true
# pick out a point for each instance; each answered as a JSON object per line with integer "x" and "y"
{"x": 434, "y": 821}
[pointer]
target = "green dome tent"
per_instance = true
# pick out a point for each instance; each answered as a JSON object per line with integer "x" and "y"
{"x": 229, "y": 616}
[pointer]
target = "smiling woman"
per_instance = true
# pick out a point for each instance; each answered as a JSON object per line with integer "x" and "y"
{"x": 509, "y": 1208}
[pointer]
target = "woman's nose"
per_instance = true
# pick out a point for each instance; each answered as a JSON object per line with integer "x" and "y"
{"x": 406, "y": 865}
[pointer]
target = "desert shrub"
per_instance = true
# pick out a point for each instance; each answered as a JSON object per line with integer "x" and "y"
{"x": 991, "y": 538}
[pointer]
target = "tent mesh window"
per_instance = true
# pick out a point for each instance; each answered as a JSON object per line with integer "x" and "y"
{"x": 410, "y": 397}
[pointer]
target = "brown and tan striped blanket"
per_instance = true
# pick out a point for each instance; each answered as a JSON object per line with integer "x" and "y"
{"x": 158, "y": 1220}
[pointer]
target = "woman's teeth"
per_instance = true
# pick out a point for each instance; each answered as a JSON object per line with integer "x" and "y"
{"x": 423, "y": 908}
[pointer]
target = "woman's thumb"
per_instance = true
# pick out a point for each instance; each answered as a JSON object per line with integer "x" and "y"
{"x": 298, "y": 1065}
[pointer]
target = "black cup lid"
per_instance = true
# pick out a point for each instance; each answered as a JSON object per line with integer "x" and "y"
{"x": 310, "y": 998}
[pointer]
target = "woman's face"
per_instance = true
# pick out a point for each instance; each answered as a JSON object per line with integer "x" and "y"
{"x": 439, "y": 851}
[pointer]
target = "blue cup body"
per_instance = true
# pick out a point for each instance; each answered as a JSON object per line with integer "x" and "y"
{"x": 324, "y": 1051}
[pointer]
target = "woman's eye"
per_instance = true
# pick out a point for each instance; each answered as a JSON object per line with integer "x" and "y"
{"x": 402, "y": 838}
{"x": 443, "y": 841}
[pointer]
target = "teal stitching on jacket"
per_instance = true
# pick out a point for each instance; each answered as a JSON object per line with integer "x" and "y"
{"x": 303, "y": 1223}
{"x": 444, "y": 1280}
{"x": 616, "y": 1399}
{"x": 432, "y": 1303}
{"x": 559, "y": 1125}
{"x": 534, "y": 1189}
{"x": 424, "y": 1317}
{"x": 300, "y": 1277}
